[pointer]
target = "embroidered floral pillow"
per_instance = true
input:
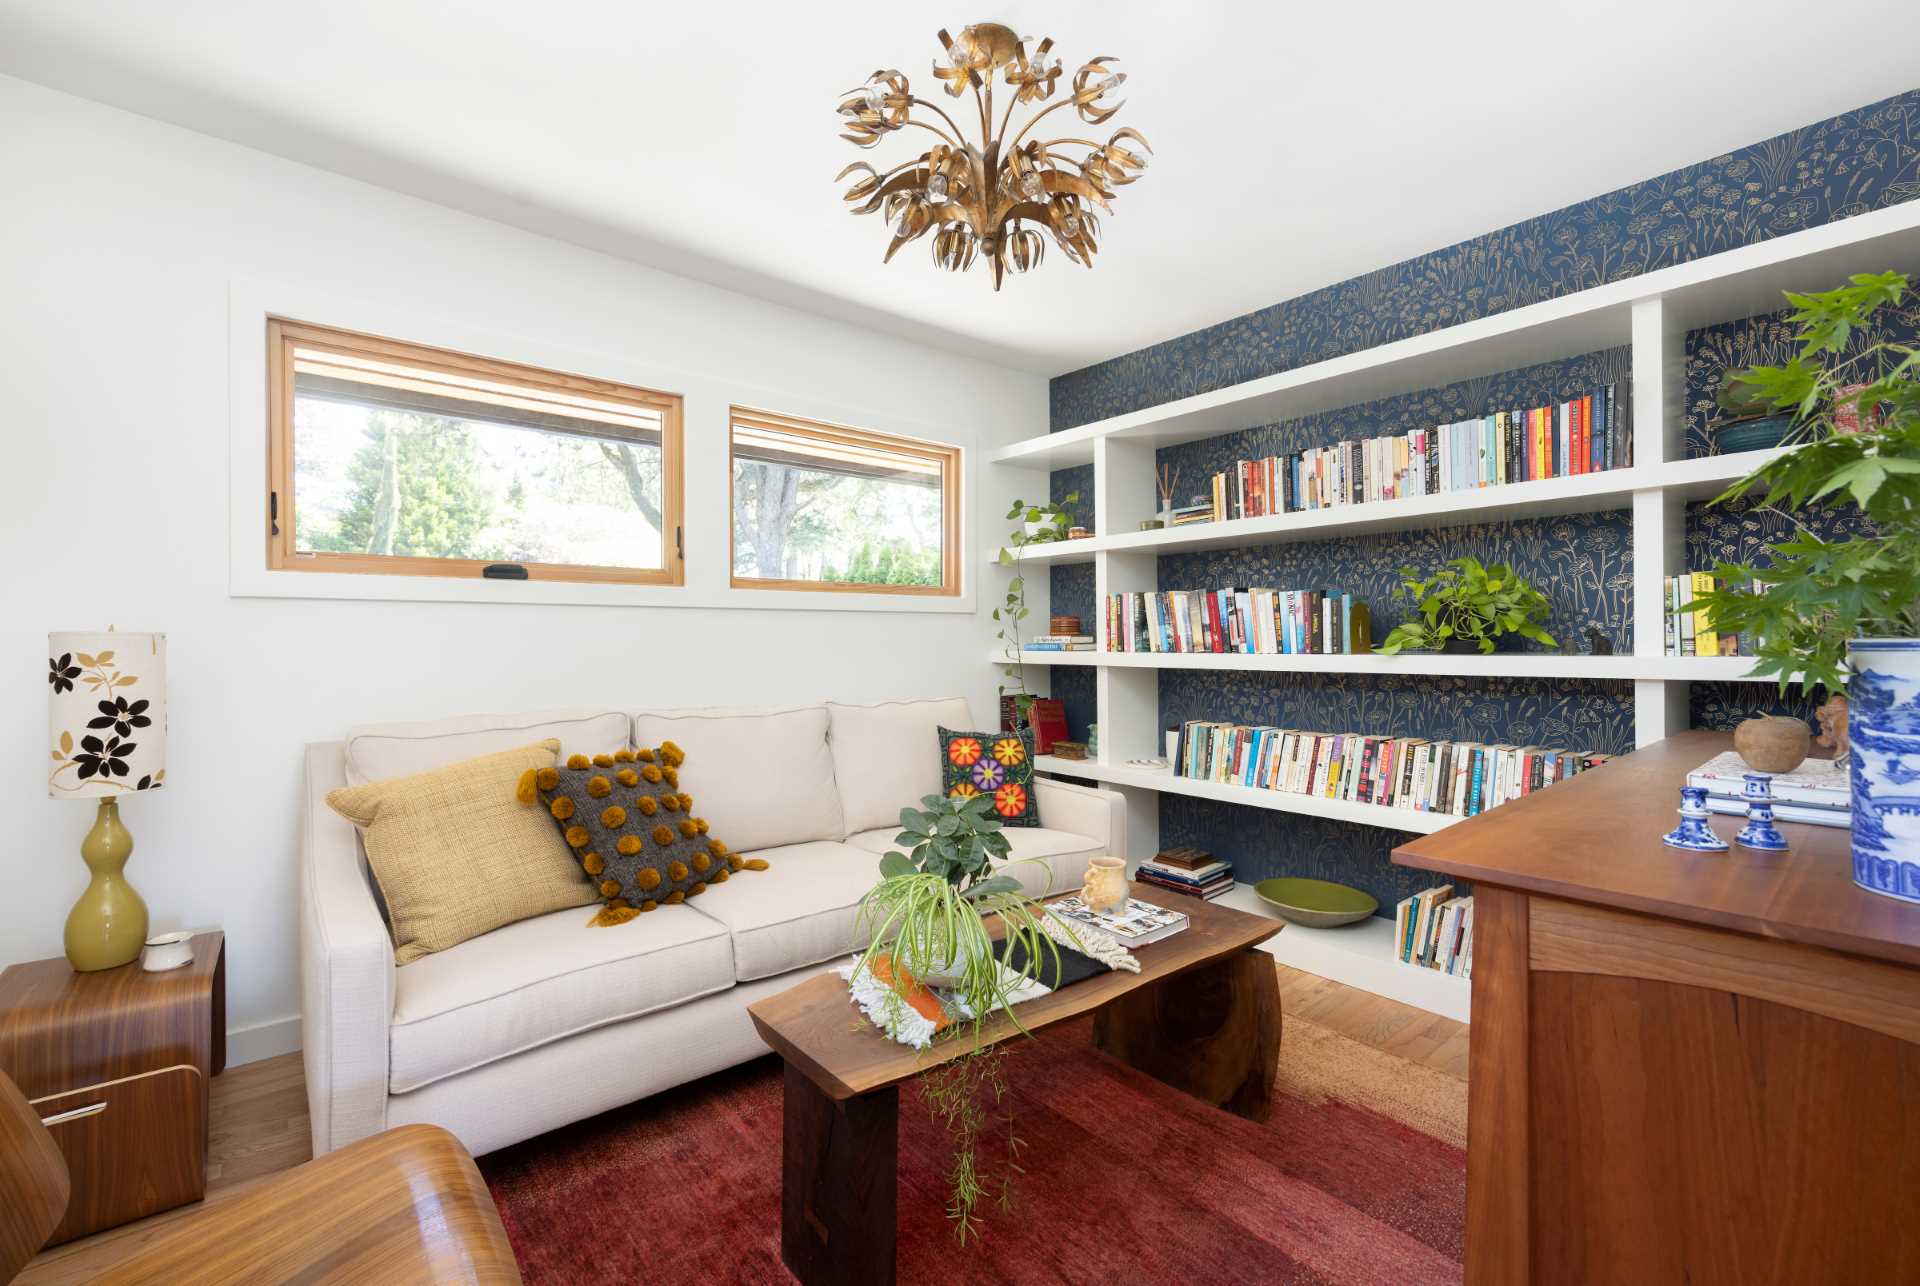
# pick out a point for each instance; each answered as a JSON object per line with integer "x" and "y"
{"x": 633, "y": 829}
{"x": 999, "y": 764}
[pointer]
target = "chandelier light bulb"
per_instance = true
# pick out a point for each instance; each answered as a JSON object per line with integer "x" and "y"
{"x": 1032, "y": 186}
{"x": 937, "y": 188}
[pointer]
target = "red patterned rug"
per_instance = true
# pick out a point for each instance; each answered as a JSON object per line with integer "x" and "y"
{"x": 1359, "y": 1176}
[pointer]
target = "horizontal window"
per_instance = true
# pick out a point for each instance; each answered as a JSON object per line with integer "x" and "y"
{"x": 821, "y": 507}
{"x": 389, "y": 457}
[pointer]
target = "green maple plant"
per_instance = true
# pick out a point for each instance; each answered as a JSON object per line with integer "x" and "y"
{"x": 1813, "y": 595}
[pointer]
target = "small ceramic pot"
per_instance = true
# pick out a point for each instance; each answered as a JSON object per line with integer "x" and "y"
{"x": 1105, "y": 888}
{"x": 1773, "y": 743}
{"x": 167, "y": 951}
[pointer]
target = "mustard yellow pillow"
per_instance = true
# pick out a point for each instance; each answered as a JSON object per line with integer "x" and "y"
{"x": 455, "y": 853}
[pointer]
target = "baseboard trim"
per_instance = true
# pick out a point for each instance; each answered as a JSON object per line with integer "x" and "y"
{"x": 260, "y": 1040}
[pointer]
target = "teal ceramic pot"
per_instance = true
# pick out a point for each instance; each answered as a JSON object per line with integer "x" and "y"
{"x": 1754, "y": 435}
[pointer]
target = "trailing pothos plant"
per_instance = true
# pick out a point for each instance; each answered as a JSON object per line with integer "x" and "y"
{"x": 1857, "y": 444}
{"x": 1040, "y": 524}
{"x": 928, "y": 915}
{"x": 1468, "y": 603}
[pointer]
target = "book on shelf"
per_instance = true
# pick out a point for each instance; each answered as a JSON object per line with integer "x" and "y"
{"x": 1586, "y": 434}
{"x": 1254, "y": 621}
{"x": 1434, "y": 930}
{"x": 1689, "y": 632}
{"x": 1205, "y": 892}
{"x": 1209, "y": 881}
{"x": 1058, "y": 645}
{"x": 1134, "y": 925}
{"x": 1417, "y": 773}
{"x": 1047, "y": 716}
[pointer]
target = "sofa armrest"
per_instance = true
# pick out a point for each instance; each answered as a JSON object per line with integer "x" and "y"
{"x": 346, "y": 968}
{"x": 1098, "y": 814}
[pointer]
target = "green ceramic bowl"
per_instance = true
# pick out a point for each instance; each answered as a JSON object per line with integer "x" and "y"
{"x": 1316, "y": 904}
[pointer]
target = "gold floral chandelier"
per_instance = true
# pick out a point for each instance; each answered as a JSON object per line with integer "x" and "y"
{"x": 1001, "y": 200}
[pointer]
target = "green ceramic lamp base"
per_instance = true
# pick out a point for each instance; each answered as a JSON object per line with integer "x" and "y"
{"x": 108, "y": 925}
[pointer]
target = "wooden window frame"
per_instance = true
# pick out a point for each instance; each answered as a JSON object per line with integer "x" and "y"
{"x": 948, "y": 458}
{"x": 284, "y": 335}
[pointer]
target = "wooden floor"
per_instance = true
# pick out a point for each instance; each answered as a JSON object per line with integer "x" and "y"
{"x": 259, "y": 1111}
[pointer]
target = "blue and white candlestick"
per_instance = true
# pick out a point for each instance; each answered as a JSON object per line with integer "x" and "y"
{"x": 1693, "y": 833}
{"x": 1760, "y": 832}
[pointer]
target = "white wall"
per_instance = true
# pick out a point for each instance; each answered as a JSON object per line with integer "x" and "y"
{"x": 120, "y": 241}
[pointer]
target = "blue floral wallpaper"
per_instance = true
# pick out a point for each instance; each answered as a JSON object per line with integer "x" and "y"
{"x": 1852, "y": 163}
{"x": 1847, "y": 165}
{"x": 1583, "y": 563}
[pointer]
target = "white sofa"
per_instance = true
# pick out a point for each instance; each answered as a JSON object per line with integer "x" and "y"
{"x": 548, "y": 1021}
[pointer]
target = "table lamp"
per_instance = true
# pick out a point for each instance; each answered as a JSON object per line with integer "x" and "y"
{"x": 107, "y": 728}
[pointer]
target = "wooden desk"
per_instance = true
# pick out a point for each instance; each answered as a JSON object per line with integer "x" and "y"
{"x": 117, "y": 1063}
{"x": 1684, "y": 1067}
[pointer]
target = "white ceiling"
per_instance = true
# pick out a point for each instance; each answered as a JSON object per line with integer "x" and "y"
{"x": 1296, "y": 144}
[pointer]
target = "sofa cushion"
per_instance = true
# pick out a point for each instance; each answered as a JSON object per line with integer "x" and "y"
{"x": 543, "y": 979}
{"x": 1060, "y": 857}
{"x": 631, "y": 823}
{"x": 998, "y": 765}
{"x": 799, "y": 912}
{"x": 455, "y": 853}
{"x": 887, "y": 756}
{"x": 379, "y": 750}
{"x": 766, "y": 776}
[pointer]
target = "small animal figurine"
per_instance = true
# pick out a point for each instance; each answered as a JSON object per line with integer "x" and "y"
{"x": 1832, "y": 718}
{"x": 1598, "y": 643}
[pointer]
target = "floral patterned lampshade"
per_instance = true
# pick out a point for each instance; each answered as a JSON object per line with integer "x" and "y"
{"x": 106, "y": 713}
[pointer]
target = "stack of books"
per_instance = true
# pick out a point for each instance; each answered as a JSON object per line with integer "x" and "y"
{"x": 1688, "y": 631}
{"x": 1268, "y": 621}
{"x": 1189, "y": 514}
{"x": 1435, "y": 931}
{"x": 1460, "y": 778}
{"x": 1190, "y": 872}
{"x": 1587, "y": 434}
{"x": 1060, "y": 643}
{"x": 1816, "y": 792}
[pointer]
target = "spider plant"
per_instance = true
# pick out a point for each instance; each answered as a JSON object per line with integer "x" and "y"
{"x": 929, "y": 915}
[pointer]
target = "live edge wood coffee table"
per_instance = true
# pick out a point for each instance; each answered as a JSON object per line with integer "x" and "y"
{"x": 1203, "y": 1015}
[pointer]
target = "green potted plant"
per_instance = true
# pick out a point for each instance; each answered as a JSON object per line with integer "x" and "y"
{"x": 1467, "y": 607}
{"x": 1844, "y": 615}
{"x": 929, "y": 920}
{"x": 1040, "y": 524}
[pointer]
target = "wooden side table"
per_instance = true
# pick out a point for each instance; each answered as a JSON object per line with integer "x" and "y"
{"x": 117, "y": 1064}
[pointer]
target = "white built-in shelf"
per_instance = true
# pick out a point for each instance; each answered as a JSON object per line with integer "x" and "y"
{"x": 1360, "y": 955}
{"x": 1164, "y": 781}
{"x": 1722, "y": 287}
{"x": 1651, "y": 314}
{"x": 1520, "y": 665}
{"x": 1699, "y": 479}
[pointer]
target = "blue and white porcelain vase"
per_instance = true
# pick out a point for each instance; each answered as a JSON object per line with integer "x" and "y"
{"x": 1883, "y": 726}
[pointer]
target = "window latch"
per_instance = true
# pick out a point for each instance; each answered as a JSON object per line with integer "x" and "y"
{"x": 273, "y": 512}
{"x": 679, "y": 550}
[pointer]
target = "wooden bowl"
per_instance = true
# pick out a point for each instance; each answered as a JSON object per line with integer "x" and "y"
{"x": 1316, "y": 904}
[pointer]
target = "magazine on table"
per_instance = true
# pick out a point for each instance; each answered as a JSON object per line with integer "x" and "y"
{"x": 1135, "y": 925}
